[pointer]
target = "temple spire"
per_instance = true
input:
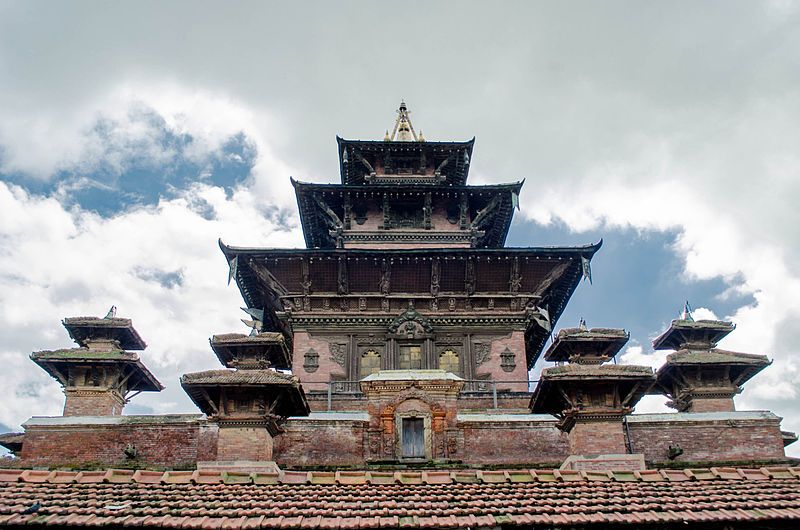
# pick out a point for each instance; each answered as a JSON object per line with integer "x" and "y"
{"x": 403, "y": 129}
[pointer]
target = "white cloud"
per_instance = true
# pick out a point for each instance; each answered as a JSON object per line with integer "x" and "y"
{"x": 57, "y": 263}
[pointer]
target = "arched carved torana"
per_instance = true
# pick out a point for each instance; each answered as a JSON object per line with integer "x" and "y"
{"x": 411, "y": 324}
{"x": 437, "y": 410}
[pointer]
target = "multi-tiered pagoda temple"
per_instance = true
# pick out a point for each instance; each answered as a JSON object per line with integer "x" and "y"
{"x": 405, "y": 270}
{"x": 385, "y": 384}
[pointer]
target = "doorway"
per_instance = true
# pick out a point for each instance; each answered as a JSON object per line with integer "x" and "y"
{"x": 413, "y": 437}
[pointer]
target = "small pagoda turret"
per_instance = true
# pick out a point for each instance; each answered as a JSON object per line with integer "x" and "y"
{"x": 590, "y": 398}
{"x": 699, "y": 377}
{"x": 99, "y": 376}
{"x": 250, "y": 399}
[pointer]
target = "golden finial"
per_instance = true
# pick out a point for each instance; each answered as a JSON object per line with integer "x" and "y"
{"x": 403, "y": 130}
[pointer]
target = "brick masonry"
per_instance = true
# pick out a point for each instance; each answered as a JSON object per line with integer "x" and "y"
{"x": 597, "y": 437}
{"x": 243, "y": 443}
{"x": 169, "y": 443}
{"x": 81, "y": 402}
{"x": 159, "y": 444}
{"x": 321, "y": 443}
{"x": 701, "y": 440}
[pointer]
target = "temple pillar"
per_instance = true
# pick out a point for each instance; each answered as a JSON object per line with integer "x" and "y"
{"x": 603, "y": 435}
{"x": 91, "y": 402}
{"x": 244, "y": 443}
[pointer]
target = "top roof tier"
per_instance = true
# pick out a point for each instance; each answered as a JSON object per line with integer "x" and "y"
{"x": 586, "y": 346}
{"x": 691, "y": 334}
{"x": 404, "y": 157}
{"x": 84, "y": 330}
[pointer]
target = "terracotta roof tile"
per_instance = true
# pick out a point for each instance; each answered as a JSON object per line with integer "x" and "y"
{"x": 350, "y": 500}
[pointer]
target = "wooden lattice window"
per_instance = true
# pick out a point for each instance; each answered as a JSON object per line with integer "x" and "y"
{"x": 410, "y": 357}
{"x": 370, "y": 363}
{"x": 448, "y": 361}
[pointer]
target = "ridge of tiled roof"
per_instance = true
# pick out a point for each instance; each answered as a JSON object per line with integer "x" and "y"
{"x": 463, "y": 476}
{"x": 378, "y": 499}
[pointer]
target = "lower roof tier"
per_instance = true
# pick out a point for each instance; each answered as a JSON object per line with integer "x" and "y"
{"x": 536, "y": 282}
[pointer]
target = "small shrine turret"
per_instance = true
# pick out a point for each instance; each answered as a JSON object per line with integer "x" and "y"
{"x": 590, "y": 398}
{"x": 99, "y": 376}
{"x": 699, "y": 377}
{"x": 250, "y": 399}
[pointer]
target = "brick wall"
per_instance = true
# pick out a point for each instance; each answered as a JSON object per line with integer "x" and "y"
{"x": 739, "y": 437}
{"x": 492, "y": 367}
{"x": 318, "y": 379}
{"x": 244, "y": 443}
{"x": 513, "y": 442}
{"x": 159, "y": 443}
{"x": 92, "y": 403}
{"x": 482, "y": 439}
{"x": 320, "y": 443}
{"x": 711, "y": 405}
{"x": 597, "y": 437}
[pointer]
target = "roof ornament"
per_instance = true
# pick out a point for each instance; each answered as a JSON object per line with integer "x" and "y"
{"x": 112, "y": 313}
{"x": 257, "y": 323}
{"x": 403, "y": 130}
{"x": 687, "y": 312}
{"x": 582, "y": 325}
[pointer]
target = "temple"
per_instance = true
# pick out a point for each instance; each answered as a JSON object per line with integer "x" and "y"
{"x": 385, "y": 382}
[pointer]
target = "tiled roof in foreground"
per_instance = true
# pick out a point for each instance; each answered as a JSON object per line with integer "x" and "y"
{"x": 440, "y": 499}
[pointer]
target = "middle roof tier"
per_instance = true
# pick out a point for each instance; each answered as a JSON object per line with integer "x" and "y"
{"x": 412, "y": 216}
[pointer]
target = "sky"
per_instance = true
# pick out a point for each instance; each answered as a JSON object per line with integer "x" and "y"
{"x": 134, "y": 135}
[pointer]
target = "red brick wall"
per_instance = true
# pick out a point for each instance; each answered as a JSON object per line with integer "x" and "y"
{"x": 316, "y": 443}
{"x": 244, "y": 443}
{"x": 91, "y": 403}
{"x": 157, "y": 444}
{"x": 727, "y": 440}
{"x": 515, "y": 343}
{"x": 327, "y": 366}
{"x": 597, "y": 438}
{"x": 513, "y": 443}
{"x": 711, "y": 405}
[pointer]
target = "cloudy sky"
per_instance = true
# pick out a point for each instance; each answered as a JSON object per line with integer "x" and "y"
{"x": 134, "y": 135}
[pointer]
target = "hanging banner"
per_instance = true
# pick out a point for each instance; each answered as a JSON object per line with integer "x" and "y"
{"x": 232, "y": 268}
{"x": 587, "y": 269}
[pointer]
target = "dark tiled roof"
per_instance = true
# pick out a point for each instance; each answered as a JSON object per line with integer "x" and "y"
{"x": 601, "y": 342}
{"x": 610, "y": 371}
{"x": 121, "y": 329}
{"x": 717, "y": 356}
{"x": 233, "y": 348}
{"x": 239, "y": 377}
{"x": 434, "y": 499}
{"x": 56, "y": 363}
{"x": 680, "y": 331}
{"x": 84, "y": 354}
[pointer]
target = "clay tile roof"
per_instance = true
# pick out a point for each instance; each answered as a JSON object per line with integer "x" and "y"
{"x": 578, "y": 371}
{"x": 239, "y": 377}
{"x": 346, "y": 500}
{"x": 120, "y": 329}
